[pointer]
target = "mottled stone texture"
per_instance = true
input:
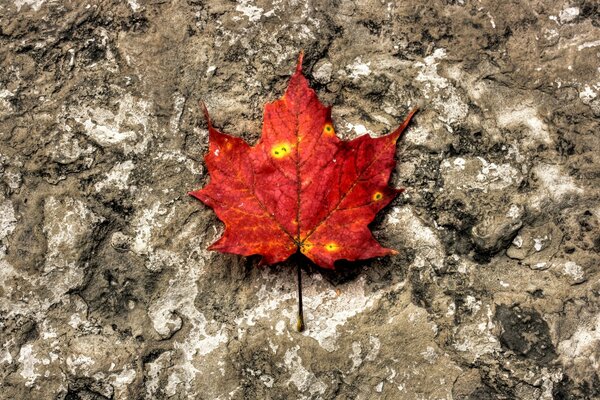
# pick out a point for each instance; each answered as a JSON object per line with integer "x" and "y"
{"x": 107, "y": 290}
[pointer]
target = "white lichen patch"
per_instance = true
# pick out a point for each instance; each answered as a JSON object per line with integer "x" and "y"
{"x": 249, "y": 10}
{"x": 78, "y": 319}
{"x": 104, "y": 359}
{"x": 515, "y": 211}
{"x": 153, "y": 374}
{"x": 120, "y": 381}
{"x": 178, "y": 298}
{"x": 496, "y": 177}
{"x": 8, "y": 221}
{"x": 79, "y": 364}
{"x": 129, "y": 126}
{"x": 589, "y": 93}
{"x": 574, "y": 272}
{"x": 34, "y": 4}
{"x": 67, "y": 223}
{"x": 165, "y": 321}
{"x": 587, "y": 45}
{"x": 355, "y": 356}
{"x": 568, "y": 14}
{"x": 478, "y": 174}
{"x": 375, "y": 344}
{"x": 178, "y": 104}
{"x": 267, "y": 302}
{"x": 5, "y": 356}
{"x": 430, "y": 355}
{"x": 357, "y": 130}
{"x": 579, "y": 351}
{"x": 554, "y": 185}
{"x": 9, "y": 305}
{"x": 322, "y": 72}
{"x": 459, "y": 163}
{"x": 13, "y": 179}
{"x": 582, "y": 347}
{"x": 475, "y": 339}
{"x": 134, "y": 5}
{"x": 267, "y": 380}
{"x": 69, "y": 149}
{"x": 144, "y": 223}
{"x": 420, "y": 135}
{"x": 524, "y": 115}
{"x": 5, "y": 94}
{"x": 540, "y": 243}
{"x": 5, "y": 105}
{"x": 413, "y": 225}
{"x": 443, "y": 95}
{"x": 163, "y": 258}
{"x": 540, "y": 266}
{"x": 326, "y": 310}
{"x": 117, "y": 177}
{"x": 28, "y": 361}
{"x": 358, "y": 68}
{"x": 472, "y": 304}
{"x": 451, "y": 310}
{"x": 550, "y": 34}
{"x": 302, "y": 378}
{"x": 417, "y": 235}
{"x": 492, "y": 22}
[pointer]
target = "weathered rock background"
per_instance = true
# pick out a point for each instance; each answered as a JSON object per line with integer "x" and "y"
{"x": 107, "y": 290}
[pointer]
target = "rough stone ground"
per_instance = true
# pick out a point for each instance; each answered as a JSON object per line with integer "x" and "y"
{"x": 107, "y": 290}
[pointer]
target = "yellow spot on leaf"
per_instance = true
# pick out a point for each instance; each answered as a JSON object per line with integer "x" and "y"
{"x": 328, "y": 129}
{"x": 281, "y": 150}
{"x": 377, "y": 196}
{"x": 331, "y": 246}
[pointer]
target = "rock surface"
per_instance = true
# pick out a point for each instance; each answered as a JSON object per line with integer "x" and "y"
{"x": 107, "y": 290}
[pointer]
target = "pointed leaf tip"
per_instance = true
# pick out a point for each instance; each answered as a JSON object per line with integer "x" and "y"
{"x": 299, "y": 64}
{"x": 205, "y": 112}
{"x": 406, "y": 121}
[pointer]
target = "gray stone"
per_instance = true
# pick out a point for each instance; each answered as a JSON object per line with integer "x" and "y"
{"x": 107, "y": 289}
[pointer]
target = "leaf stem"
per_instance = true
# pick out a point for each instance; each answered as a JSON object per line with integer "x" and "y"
{"x": 300, "y": 321}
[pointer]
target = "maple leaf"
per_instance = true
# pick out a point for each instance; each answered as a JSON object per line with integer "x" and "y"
{"x": 300, "y": 187}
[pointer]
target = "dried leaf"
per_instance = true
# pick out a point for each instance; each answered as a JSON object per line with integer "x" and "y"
{"x": 300, "y": 187}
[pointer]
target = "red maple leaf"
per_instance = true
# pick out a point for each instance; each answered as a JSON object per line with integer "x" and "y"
{"x": 300, "y": 187}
